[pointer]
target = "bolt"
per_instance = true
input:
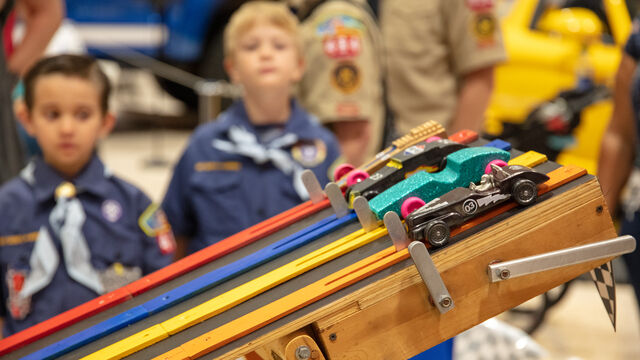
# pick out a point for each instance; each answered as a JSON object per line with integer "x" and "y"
{"x": 505, "y": 274}
{"x": 599, "y": 209}
{"x": 303, "y": 352}
{"x": 445, "y": 302}
{"x": 333, "y": 337}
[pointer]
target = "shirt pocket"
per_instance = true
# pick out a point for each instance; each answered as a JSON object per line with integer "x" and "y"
{"x": 219, "y": 202}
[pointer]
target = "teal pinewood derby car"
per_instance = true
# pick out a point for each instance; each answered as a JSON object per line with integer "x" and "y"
{"x": 463, "y": 167}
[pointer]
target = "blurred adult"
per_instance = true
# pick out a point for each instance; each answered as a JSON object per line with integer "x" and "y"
{"x": 440, "y": 57}
{"x": 618, "y": 163}
{"x": 41, "y": 19}
{"x": 342, "y": 85}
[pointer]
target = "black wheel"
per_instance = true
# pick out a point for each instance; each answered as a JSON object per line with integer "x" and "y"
{"x": 525, "y": 192}
{"x": 437, "y": 233}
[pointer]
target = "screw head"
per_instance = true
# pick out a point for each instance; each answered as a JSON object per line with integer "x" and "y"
{"x": 505, "y": 274}
{"x": 445, "y": 302}
{"x": 303, "y": 352}
{"x": 333, "y": 337}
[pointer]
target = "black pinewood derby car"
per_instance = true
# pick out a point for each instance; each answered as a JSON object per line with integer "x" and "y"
{"x": 428, "y": 156}
{"x": 433, "y": 221}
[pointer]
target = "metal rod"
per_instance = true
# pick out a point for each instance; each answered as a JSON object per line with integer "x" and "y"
{"x": 367, "y": 218}
{"x": 397, "y": 232}
{"x": 431, "y": 277}
{"x": 561, "y": 258}
{"x": 338, "y": 203}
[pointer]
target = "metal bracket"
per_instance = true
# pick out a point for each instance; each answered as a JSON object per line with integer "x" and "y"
{"x": 396, "y": 230}
{"x": 575, "y": 255}
{"x": 367, "y": 218}
{"x": 311, "y": 183}
{"x": 431, "y": 277}
{"x": 338, "y": 203}
{"x": 421, "y": 259}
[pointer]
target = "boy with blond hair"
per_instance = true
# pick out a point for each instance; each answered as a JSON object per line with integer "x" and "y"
{"x": 69, "y": 229}
{"x": 245, "y": 167}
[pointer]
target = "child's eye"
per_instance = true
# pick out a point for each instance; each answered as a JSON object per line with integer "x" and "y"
{"x": 250, "y": 46}
{"x": 51, "y": 114}
{"x": 279, "y": 45}
{"x": 83, "y": 114}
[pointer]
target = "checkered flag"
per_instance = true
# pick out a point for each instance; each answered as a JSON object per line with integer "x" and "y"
{"x": 602, "y": 277}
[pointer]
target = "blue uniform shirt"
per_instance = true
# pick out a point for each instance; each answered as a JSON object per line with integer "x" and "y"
{"x": 217, "y": 191}
{"x": 120, "y": 251}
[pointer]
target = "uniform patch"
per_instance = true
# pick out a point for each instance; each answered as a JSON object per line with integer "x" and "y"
{"x": 218, "y": 166}
{"x": 341, "y": 46}
{"x": 480, "y": 5}
{"x": 153, "y": 222}
{"x": 309, "y": 154}
{"x": 348, "y": 110}
{"x": 484, "y": 28}
{"x": 18, "y": 239}
{"x": 118, "y": 275}
{"x": 340, "y": 25}
{"x": 18, "y": 307}
{"x": 111, "y": 210}
{"x": 346, "y": 77}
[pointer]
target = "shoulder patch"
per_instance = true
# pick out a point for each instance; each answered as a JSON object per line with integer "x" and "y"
{"x": 484, "y": 28}
{"x": 309, "y": 153}
{"x": 153, "y": 222}
{"x": 480, "y": 5}
{"x": 341, "y": 36}
{"x": 346, "y": 77}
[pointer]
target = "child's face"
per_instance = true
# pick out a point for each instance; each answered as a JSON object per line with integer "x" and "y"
{"x": 67, "y": 121}
{"x": 265, "y": 58}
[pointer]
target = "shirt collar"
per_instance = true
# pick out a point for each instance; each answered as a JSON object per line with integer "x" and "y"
{"x": 45, "y": 179}
{"x": 299, "y": 122}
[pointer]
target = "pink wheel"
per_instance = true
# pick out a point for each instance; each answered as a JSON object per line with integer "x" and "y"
{"x": 501, "y": 163}
{"x": 356, "y": 176}
{"x": 341, "y": 170}
{"x": 410, "y": 205}
{"x": 433, "y": 138}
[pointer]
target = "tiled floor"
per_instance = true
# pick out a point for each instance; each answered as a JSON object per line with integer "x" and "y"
{"x": 576, "y": 328}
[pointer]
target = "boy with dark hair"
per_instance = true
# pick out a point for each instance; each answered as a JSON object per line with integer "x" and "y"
{"x": 69, "y": 229}
{"x": 245, "y": 167}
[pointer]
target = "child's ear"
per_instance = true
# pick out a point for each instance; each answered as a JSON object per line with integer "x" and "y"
{"x": 299, "y": 71}
{"x": 230, "y": 68}
{"x": 23, "y": 115}
{"x": 108, "y": 122}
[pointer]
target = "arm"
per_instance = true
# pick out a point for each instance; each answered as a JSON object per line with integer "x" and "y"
{"x": 618, "y": 142}
{"x": 473, "y": 99}
{"x": 42, "y": 18}
{"x": 354, "y": 137}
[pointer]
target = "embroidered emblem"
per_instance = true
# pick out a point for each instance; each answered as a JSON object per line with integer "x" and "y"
{"x": 341, "y": 46}
{"x": 309, "y": 154}
{"x": 480, "y": 5}
{"x": 348, "y": 110}
{"x": 153, "y": 222}
{"x": 18, "y": 307}
{"x": 118, "y": 275}
{"x": 484, "y": 28}
{"x": 218, "y": 166}
{"x": 346, "y": 77}
{"x": 111, "y": 210}
{"x": 340, "y": 25}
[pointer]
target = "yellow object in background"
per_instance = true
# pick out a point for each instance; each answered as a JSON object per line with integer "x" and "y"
{"x": 549, "y": 49}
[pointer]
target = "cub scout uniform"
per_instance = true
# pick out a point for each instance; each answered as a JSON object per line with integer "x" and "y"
{"x": 430, "y": 46}
{"x": 63, "y": 243}
{"x": 343, "y": 78}
{"x": 234, "y": 174}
